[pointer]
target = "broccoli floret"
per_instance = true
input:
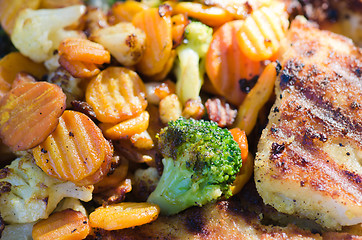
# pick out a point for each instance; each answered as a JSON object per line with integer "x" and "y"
{"x": 201, "y": 161}
{"x": 190, "y": 64}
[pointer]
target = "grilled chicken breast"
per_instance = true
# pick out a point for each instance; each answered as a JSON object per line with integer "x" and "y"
{"x": 310, "y": 154}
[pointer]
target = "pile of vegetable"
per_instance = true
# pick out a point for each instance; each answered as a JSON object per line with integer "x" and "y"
{"x": 98, "y": 99}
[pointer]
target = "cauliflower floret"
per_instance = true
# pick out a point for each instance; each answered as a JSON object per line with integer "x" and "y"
{"x": 144, "y": 182}
{"x": 37, "y": 33}
{"x": 28, "y": 194}
{"x": 125, "y": 42}
{"x": 71, "y": 203}
{"x": 52, "y": 63}
{"x": 18, "y": 231}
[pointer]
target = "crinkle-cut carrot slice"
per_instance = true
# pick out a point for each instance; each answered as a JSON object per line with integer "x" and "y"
{"x": 9, "y": 10}
{"x": 156, "y": 23}
{"x": 123, "y": 215}
{"x": 79, "y": 69}
{"x": 126, "y": 128}
{"x": 22, "y": 78}
{"x": 65, "y": 225}
{"x": 261, "y": 33}
{"x": 84, "y": 50}
{"x": 116, "y": 94}
{"x": 167, "y": 68}
{"x": 125, "y": 11}
{"x": 29, "y": 112}
{"x": 226, "y": 64}
{"x": 14, "y": 63}
{"x": 76, "y": 151}
{"x": 209, "y": 15}
{"x": 80, "y": 57}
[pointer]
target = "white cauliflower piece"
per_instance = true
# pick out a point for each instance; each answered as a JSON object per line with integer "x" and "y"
{"x": 124, "y": 41}
{"x": 52, "y": 63}
{"x": 37, "y": 33}
{"x": 144, "y": 182}
{"x": 18, "y": 231}
{"x": 71, "y": 203}
{"x": 28, "y": 194}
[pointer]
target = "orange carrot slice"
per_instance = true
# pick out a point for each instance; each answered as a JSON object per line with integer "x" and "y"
{"x": 226, "y": 64}
{"x": 167, "y": 68}
{"x": 211, "y": 16}
{"x": 81, "y": 56}
{"x": 22, "y": 78}
{"x": 78, "y": 49}
{"x": 244, "y": 174}
{"x": 125, "y": 11}
{"x": 65, "y": 225}
{"x": 156, "y": 23}
{"x": 123, "y": 215}
{"x": 116, "y": 94}
{"x": 13, "y": 63}
{"x": 79, "y": 69}
{"x": 240, "y": 137}
{"x": 126, "y": 128}
{"x": 248, "y": 163}
{"x": 261, "y": 33}
{"x": 29, "y": 112}
{"x": 76, "y": 151}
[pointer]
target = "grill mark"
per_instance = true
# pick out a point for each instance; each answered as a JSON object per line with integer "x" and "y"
{"x": 5, "y": 187}
{"x": 56, "y": 167}
{"x": 77, "y": 157}
{"x": 353, "y": 177}
{"x": 290, "y": 73}
{"x": 315, "y": 168}
{"x": 4, "y": 172}
{"x": 322, "y": 107}
{"x": 299, "y": 132}
{"x": 276, "y": 150}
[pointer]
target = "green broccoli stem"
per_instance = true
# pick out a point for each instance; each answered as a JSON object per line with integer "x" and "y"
{"x": 189, "y": 74}
{"x": 176, "y": 191}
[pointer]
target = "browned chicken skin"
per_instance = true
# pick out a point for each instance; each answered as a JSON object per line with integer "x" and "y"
{"x": 309, "y": 156}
